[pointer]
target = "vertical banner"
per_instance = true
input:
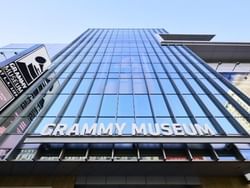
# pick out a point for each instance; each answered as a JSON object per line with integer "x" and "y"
{"x": 18, "y": 75}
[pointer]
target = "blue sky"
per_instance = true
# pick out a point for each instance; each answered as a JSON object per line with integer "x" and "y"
{"x": 60, "y": 21}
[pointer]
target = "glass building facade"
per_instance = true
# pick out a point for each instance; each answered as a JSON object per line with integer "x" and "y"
{"x": 126, "y": 76}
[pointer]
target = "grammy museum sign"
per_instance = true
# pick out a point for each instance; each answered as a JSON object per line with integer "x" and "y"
{"x": 123, "y": 129}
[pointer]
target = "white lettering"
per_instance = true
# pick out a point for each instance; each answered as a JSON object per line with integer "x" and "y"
{"x": 205, "y": 130}
{"x": 190, "y": 130}
{"x": 166, "y": 130}
{"x": 116, "y": 129}
{"x": 120, "y": 128}
{"x": 73, "y": 130}
{"x": 178, "y": 130}
{"x": 60, "y": 130}
{"x": 86, "y": 130}
{"x": 102, "y": 130}
{"x": 48, "y": 129}
{"x": 154, "y": 130}
{"x": 139, "y": 130}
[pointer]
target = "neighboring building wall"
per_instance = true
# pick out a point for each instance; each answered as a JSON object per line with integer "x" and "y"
{"x": 237, "y": 73}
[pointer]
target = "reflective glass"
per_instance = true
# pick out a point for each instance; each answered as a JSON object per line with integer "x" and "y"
{"x": 92, "y": 105}
{"x": 139, "y": 86}
{"x": 176, "y": 105}
{"x": 98, "y": 86}
{"x": 125, "y": 86}
{"x": 112, "y": 86}
{"x": 167, "y": 86}
{"x": 181, "y": 86}
{"x": 226, "y": 126}
{"x": 153, "y": 86}
{"x": 142, "y": 106}
{"x": 194, "y": 106}
{"x": 159, "y": 106}
{"x": 84, "y": 86}
{"x": 210, "y": 105}
{"x": 125, "y": 105}
{"x": 69, "y": 86}
{"x": 57, "y": 105}
{"x": 74, "y": 105}
{"x": 109, "y": 105}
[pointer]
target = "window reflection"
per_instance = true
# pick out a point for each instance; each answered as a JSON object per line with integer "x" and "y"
{"x": 84, "y": 86}
{"x": 98, "y": 86}
{"x": 142, "y": 106}
{"x": 57, "y": 105}
{"x": 159, "y": 106}
{"x": 109, "y": 105}
{"x": 167, "y": 86}
{"x": 153, "y": 86}
{"x": 125, "y": 86}
{"x": 139, "y": 86}
{"x": 69, "y": 86}
{"x": 92, "y": 105}
{"x": 194, "y": 106}
{"x": 226, "y": 126}
{"x": 74, "y": 105}
{"x": 125, "y": 105}
{"x": 176, "y": 105}
{"x": 112, "y": 86}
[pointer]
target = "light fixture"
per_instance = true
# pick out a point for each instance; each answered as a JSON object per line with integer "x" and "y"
{"x": 236, "y": 64}
{"x": 218, "y": 65}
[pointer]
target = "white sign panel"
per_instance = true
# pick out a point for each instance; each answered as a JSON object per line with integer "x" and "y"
{"x": 17, "y": 76}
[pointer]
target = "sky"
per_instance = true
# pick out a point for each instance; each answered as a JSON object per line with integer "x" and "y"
{"x": 60, "y": 21}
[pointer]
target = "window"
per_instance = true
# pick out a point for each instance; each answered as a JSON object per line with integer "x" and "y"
{"x": 83, "y": 88}
{"x": 125, "y": 86}
{"x": 153, "y": 86}
{"x": 142, "y": 106}
{"x": 92, "y": 105}
{"x": 112, "y": 86}
{"x": 98, "y": 86}
{"x": 125, "y": 105}
{"x": 159, "y": 106}
{"x": 139, "y": 86}
{"x": 167, "y": 86}
{"x": 176, "y": 105}
{"x": 109, "y": 105}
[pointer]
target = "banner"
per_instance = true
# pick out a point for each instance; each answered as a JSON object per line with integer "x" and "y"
{"x": 17, "y": 76}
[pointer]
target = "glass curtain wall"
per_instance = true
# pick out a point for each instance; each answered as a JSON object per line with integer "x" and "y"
{"x": 126, "y": 76}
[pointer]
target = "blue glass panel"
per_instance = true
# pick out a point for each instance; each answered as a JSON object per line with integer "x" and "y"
{"x": 69, "y": 86}
{"x": 92, "y": 105}
{"x": 167, "y": 86}
{"x": 176, "y": 105}
{"x": 109, "y": 105}
{"x": 45, "y": 121}
{"x": 125, "y": 86}
{"x": 74, "y": 105}
{"x": 210, "y": 105}
{"x": 112, "y": 86}
{"x": 226, "y": 126}
{"x": 98, "y": 86}
{"x": 125, "y": 105}
{"x": 142, "y": 106}
{"x": 181, "y": 86}
{"x": 57, "y": 105}
{"x": 139, "y": 86}
{"x": 193, "y": 105}
{"x": 84, "y": 86}
{"x": 159, "y": 106}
